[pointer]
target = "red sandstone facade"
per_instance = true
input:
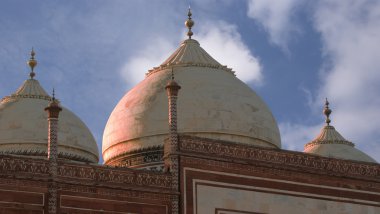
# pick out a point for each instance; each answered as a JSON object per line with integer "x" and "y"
{"x": 87, "y": 188}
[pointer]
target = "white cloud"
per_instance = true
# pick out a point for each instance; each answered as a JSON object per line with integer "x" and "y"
{"x": 350, "y": 78}
{"x": 220, "y": 39}
{"x": 295, "y": 136}
{"x": 351, "y": 37}
{"x": 277, "y": 18}
{"x": 223, "y": 42}
{"x": 147, "y": 58}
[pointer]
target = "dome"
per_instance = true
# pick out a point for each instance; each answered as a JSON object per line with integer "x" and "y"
{"x": 330, "y": 143}
{"x": 24, "y": 127}
{"x": 213, "y": 103}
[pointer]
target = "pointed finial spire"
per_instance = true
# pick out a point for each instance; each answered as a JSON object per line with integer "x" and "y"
{"x": 327, "y": 111}
{"x": 53, "y": 94}
{"x": 32, "y": 63}
{"x": 172, "y": 86}
{"x": 54, "y": 107}
{"x": 189, "y": 23}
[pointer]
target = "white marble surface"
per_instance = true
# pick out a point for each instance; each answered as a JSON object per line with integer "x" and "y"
{"x": 24, "y": 126}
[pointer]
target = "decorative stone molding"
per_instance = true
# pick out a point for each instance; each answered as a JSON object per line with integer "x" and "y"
{"x": 314, "y": 143}
{"x": 122, "y": 176}
{"x": 279, "y": 158}
{"x": 282, "y": 173}
{"x": 328, "y": 135}
{"x": 181, "y": 65}
{"x": 36, "y": 169}
{"x": 11, "y": 165}
{"x": 18, "y": 96}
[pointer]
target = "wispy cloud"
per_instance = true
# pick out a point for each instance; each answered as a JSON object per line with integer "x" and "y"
{"x": 148, "y": 57}
{"x": 350, "y": 77}
{"x": 223, "y": 42}
{"x": 277, "y": 17}
{"x": 351, "y": 37}
{"x": 220, "y": 39}
{"x": 295, "y": 136}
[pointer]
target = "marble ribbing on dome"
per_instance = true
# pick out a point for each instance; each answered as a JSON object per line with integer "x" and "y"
{"x": 31, "y": 88}
{"x": 190, "y": 52}
{"x": 329, "y": 135}
{"x": 329, "y": 143}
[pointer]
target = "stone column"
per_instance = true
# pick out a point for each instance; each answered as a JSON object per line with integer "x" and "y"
{"x": 53, "y": 110}
{"x": 172, "y": 89}
{"x": 171, "y": 158}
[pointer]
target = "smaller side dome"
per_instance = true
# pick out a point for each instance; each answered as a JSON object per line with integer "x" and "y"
{"x": 24, "y": 125}
{"x": 330, "y": 143}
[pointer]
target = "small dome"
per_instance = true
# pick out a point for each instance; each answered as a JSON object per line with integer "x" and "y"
{"x": 24, "y": 127}
{"x": 212, "y": 103}
{"x": 330, "y": 143}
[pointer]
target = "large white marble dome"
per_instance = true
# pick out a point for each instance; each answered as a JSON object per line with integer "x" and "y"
{"x": 24, "y": 127}
{"x": 213, "y": 103}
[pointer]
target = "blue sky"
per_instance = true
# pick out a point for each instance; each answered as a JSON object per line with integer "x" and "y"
{"x": 293, "y": 53}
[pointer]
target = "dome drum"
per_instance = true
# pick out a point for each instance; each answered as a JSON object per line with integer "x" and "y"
{"x": 148, "y": 158}
{"x": 40, "y": 151}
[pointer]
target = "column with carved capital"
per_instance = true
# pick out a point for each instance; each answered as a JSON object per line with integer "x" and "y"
{"x": 53, "y": 110}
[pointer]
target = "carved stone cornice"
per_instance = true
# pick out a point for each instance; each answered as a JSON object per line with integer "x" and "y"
{"x": 113, "y": 176}
{"x": 23, "y": 167}
{"x": 280, "y": 173}
{"x": 214, "y": 149}
{"x": 85, "y": 174}
{"x": 19, "y": 96}
{"x": 217, "y": 68}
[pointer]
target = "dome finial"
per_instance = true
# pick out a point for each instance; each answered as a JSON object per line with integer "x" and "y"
{"x": 32, "y": 63}
{"x": 54, "y": 102}
{"x": 189, "y": 23}
{"x": 327, "y": 111}
{"x": 53, "y": 94}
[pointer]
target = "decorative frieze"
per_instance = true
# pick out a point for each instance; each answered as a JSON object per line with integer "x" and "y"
{"x": 83, "y": 174}
{"x": 277, "y": 157}
{"x": 10, "y": 165}
{"x": 276, "y": 172}
{"x": 216, "y": 68}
